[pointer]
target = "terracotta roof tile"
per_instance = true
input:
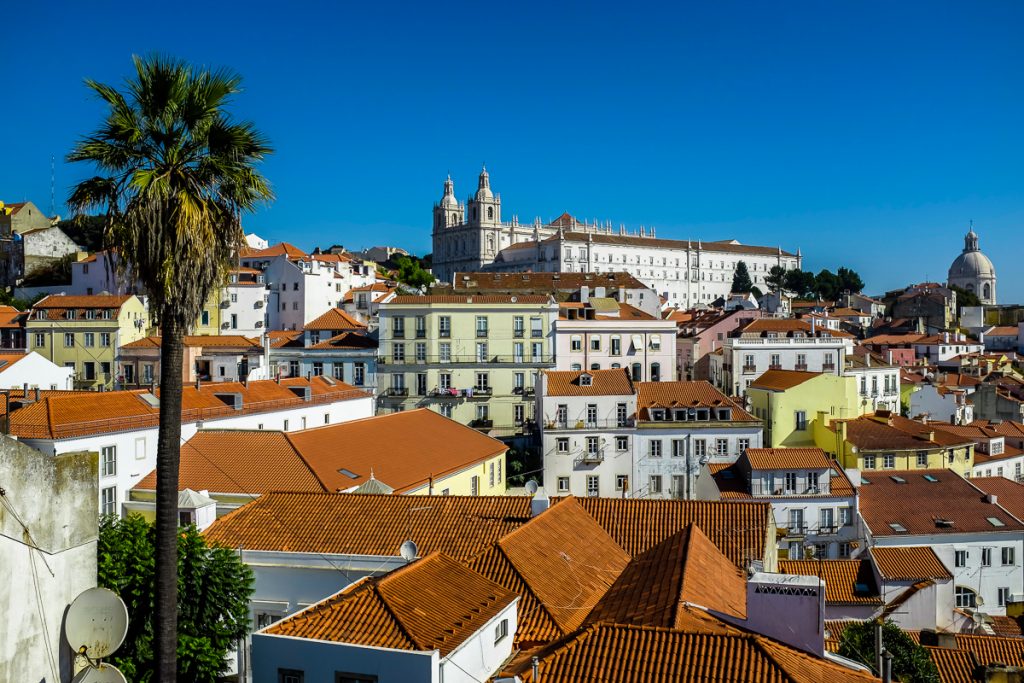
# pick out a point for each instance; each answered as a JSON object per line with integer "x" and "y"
{"x": 738, "y": 529}
{"x": 780, "y": 380}
{"x": 65, "y": 415}
{"x": 232, "y": 341}
{"x": 335, "y": 320}
{"x": 1007, "y": 627}
{"x": 389, "y": 612}
{"x": 331, "y": 523}
{"x": 991, "y": 649}
{"x": 11, "y": 317}
{"x": 697, "y": 394}
{"x": 787, "y": 458}
{"x": 639, "y": 654}
{"x": 56, "y": 304}
{"x": 908, "y": 563}
{"x": 953, "y": 666}
{"x": 279, "y": 249}
{"x": 847, "y": 582}
{"x": 469, "y": 299}
{"x": 1009, "y": 494}
{"x": 919, "y": 504}
{"x": 788, "y": 327}
{"x": 603, "y": 383}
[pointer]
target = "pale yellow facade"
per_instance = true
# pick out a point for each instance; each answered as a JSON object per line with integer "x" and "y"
{"x": 88, "y": 339}
{"x": 791, "y": 415}
{"x": 928, "y": 456}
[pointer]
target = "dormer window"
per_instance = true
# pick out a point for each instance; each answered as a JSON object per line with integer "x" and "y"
{"x": 680, "y": 415}
{"x": 772, "y": 335}
{"x": 586, "y": 380}
{"x": 657, "y": 414}
{"x": 724, "y": 414}
{"x": 703, "y": 414}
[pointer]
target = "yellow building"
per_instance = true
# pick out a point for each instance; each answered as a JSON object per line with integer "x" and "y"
{"x": 472, "y": 358}
{"x": 85, "y": 332}
{"x": 790, "y": 402}
{"x": 208, "y": 321}
{"x": 890, "y": 442}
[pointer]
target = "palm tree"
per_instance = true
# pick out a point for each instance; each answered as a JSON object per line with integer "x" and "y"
{"x": 176, "y": 173}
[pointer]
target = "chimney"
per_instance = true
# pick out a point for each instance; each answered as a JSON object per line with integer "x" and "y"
{"x": 801, "y": 598}
{"x": 584, "y": 294}
{"x": 539, "y": 503}
{"x": 37, "y": 394}
{"x": 991, "y": 499}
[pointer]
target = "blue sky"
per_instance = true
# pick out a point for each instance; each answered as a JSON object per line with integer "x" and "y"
{"x": 866, "y": 133}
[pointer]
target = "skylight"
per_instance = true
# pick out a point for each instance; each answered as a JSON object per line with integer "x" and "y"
{"x": 897, "y": 527}
{"x": 898, "y": 480}
{"x": 995, "y": 521}
{"x": 348, "y": 473}
{"x": 928, "y": 477}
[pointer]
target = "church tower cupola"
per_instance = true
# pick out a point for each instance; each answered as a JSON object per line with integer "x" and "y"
{"x": 448, "y": 213}
{"x": 485, "y": 206}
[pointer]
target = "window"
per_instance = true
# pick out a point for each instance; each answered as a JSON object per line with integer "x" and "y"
{"x": 986, "y": 557}
{"x": 655, "y": 372}
{"x": 790, "y": 482}
{"x": 801, "y": 420}
{"x": 621, "y": 443}
{"x": 444, "y": 350}
{"x": 721, "y": 446}
{"x": 576, "y": 343}
{"x": 1008, "y": 557}
{"x": 518, "y": 413}
{"x": 655, "y": 483}
{"x": 742, "y": 445}
{"x": 481, "y": 326}
{"x": 592, "y": 445}
{"x": 69, "y": 340}
{"x": 446, "y": 410}
{"x": 845, "y": 516}
{"x": 616, "y": 345}
{"x": 775, "y": 361}
{"x": 960, "y": 558}
{"x": 40, "y": 340}
{"x": 444, "y": 326}
{"x": 290, "y": 675}
{"x": 398, "y": 353}
{"x": 501, "y": 631}
{"x": 844, "y": 549}
{"x": 678, "y": 448}
{"x": 474, "y": 486}
{"x": 318, "y": 368}
{"x": 398, "y": 327}
{"x": 1004, "y": 597}
{"x": 869, "y": 462}
{"x": 812, "y": 481}
{"x": 563, "y": 484}
{"x": 826, "y": 520}
{"x": 562, "y": 445}
{"x": 490, "y": 475}
{"x": 700, "y": 448}
{"x": 888, "y": 461}
{"x": 108, "y": 501}
{"x": 537, "y": 350}
{"x": 481, "y": 352}
{"x": 421, "y": 327}
{"x": 965, "y": 597}
{"x": 621, "y": 482}
{"x": 421, "y": 384}
{"x": 517, "y": 352}
{"x": 654, "y": 448}
{"x": 593, "y": 485}
{"x": 518, "y": 328}
{"x": 595, "y": 343}
{"x": 108, "y": 461}
{"x": 482, "y": 382}
{"x": 591, "y": 414}
{"x": 481, "y": 412}
{"x": 89, "y": 339}
{"x": 656, "y": 342}
{"x": 536, "y": 327}
{"x": 90, "y": 370}
{"x": 922, "y": 459}
{"x": 359, "y": 374}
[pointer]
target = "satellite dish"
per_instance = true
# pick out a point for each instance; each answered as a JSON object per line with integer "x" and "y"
{"x": 408, "y": 551}
{"x": 531, "y": 487}
{"x": 96, "y": 624}
{"x": 101, "y": 673}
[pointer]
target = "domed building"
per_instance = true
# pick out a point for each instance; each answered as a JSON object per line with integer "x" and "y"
{"x": 973, "y": 271}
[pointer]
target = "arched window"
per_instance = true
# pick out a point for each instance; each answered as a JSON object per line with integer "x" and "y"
{"x": 636, "y": 370}
{"x": 576, "y": 367}
{"x": 490, "y": 213}
{"x": 490, "y": 243}
{"x": 986, "y": 291}
{"x": 655, "y": 372}
{"x": 970, "y": 286}
{"x": 595, "y": 366}
{"x": 965, "y": 597}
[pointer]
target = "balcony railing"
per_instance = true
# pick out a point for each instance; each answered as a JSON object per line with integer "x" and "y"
{"x": 828, "y": 367}
{"x": 800, "y": 366}
{"x": 444, "y": 334}
{"x": 524, "y": 391}
{"x": 796, "y": 530}
{"x": 588, "y": 424}
{"x": 480, "y": 392}
{"x": 518, "y": 334}
{"x": 467, "y": 359}
{"x": 775, "y": 366}
{"x": 481, "y": 424}
{"x": 397, "y": 392}
{"x": 421, "y": 334}
{"x": 590, "y": 457}
{"x": 481, "y": 334}
{"x": 749, "y": 368}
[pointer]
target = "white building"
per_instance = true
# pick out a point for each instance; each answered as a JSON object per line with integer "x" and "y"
{"x": 601, "y": 334}
{"x": 773, "y": 344}
{"x": 971, "y": 533}
{"x": 942, "y": 404}
{"x": 30, "y": 369}
{"x": 462, "y": 633}
{"x": 471, "y": 236}
{"x": 122, "y": 426}
{"x": 938, "y": 348}
{"x": 811, "y": 496}
{"x": 974, "y": 271}
{"x": 244, "y": 303}
{"x": 302, "y": 286}
{"x": 604, "y": 435}
{"x": 878, "y": 382}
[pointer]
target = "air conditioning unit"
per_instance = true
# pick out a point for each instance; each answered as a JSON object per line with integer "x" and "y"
{"x": 258, "y": 304}
{"x": 259, "y": 323}
{"x": 225, "y": 326}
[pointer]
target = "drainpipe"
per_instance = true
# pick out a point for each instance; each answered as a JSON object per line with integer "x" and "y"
{"x": 535, "y": 670}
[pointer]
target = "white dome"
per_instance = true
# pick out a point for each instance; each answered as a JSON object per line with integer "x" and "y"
{"x": 971, "y": 265}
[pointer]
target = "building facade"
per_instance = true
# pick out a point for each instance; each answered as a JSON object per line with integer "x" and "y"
{"x": 474, "y": 359}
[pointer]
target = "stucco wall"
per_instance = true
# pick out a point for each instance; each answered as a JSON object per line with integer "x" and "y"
{"x": 55, "y": 499}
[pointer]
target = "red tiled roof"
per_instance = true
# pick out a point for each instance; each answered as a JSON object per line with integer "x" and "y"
{"x": 11, "y": 317}
{"x": 389, "y": 611}
{"x": 335, "y": 320}
{"x": 279, "y": 249}
{"x": 908, "y": 563}
{"x": 603, "y": 383}
{"x": 365, "y": 524}
{"x": 842, "y": 579}
{"x": 780, "y": 380}
{"x": 787, "y": 458}
{"x": 66, "y": 301}
{"x": 469, "y": 299}
{"x": 696, "y": 394}
{"x": 1009, "y": 494}
{"x": 953, "y": 666}
{"x": 233, "y": 341}
{"x": 919, "y": 505}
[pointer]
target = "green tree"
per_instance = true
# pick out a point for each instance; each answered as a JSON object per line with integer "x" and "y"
{"x": 827, "y": 285}
{"x": 801, "y": 283}
{"x": 411, "y": 273}
{"x": 964, "y": 297}
{"x": 214, "y": 587}
{"x": 741, "y": 282}
{"x": 175, "y": 175}
{"x": 776, "y": 279}
{"x": 910, "y": 661}
{"x": 850, "y": 281}
{"x": 86, "y": 231}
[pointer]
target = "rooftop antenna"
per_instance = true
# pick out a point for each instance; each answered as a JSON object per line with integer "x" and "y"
{"x": 96, "y": 624}
{"x": 408, "y": 550}
{"x": 531, "y": 487}
{"x": 53, "y": 203}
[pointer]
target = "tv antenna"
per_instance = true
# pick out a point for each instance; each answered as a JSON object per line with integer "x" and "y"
{"x": 96, "y": 625}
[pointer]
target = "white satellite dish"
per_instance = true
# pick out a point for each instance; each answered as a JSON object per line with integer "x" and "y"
{"x": 408, "y": 551}
{"x": 101, "y": 673}
{"x": 96, "y": 624}
{"x": 531, "y": 486}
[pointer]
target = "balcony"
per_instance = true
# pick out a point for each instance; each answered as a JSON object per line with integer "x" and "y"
{"x": 802, "y": 367}
{"x": 468, "y": 359}
{"x": 775, "y": 366}
{"x": 396, "y": 392}
{"x": 796, "y": 530}
{"x": 588, "y": 424}
{"x": 421, "y": 334}
{"x": 481, "y": 334}
{"x": 828, "y": 367}
{"x": 398, "y": 334}
{"x": 524, "y": 391}
{"x": 519, "y": 334}
{"x": 827, "y": 530}
{"x": 590, "y": 458}
{"x": 444, "y": 334}
{"x": 481, "y": 424}
{"x": 748, "y": 369}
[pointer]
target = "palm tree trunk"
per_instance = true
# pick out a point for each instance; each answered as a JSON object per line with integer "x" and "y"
{"x": 165, "y": 627}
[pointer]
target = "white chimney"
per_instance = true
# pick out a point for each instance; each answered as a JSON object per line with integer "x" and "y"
{"x": 584, "y": 294}
{"x": 800, "y": 598}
